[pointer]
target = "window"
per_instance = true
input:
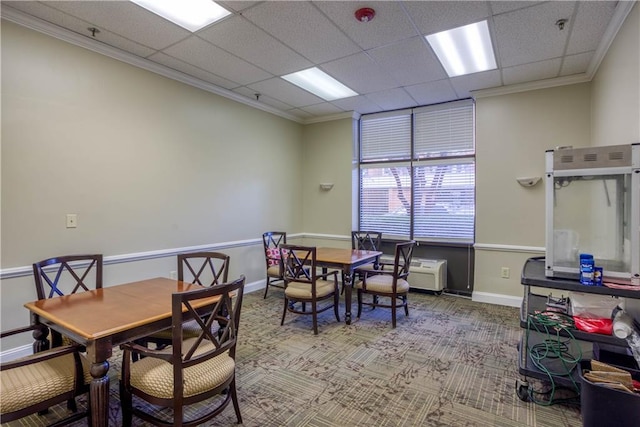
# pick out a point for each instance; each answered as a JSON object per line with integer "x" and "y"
{"x": 417, "y": 173}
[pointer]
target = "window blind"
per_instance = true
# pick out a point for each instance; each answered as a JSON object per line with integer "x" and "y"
{"x": 417, "y": 173}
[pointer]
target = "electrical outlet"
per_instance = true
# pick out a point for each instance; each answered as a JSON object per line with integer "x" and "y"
{"x": 72, "y": 220}
{"x": 173, "y": 274}
{"x": 504, "y": 272}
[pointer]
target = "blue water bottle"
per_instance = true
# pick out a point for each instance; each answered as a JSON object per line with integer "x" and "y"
{"x": 587, "y": 265}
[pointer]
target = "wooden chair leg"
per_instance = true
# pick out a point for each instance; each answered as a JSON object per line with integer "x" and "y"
{"x": 126, "y": 403}
{"x": 314, "y": 314}
{"x": 406, "y": 306}
{"x": 359, "y": 303}
{"x": 284, "y": 312}
{"x": 393, "y": 313}
{"x": 234, "y": 400}
{"x": 266, "y": 288}
{"x": 336, "y": 303}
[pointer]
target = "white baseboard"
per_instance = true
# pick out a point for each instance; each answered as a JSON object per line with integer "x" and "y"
{"x": 498, "y": 299}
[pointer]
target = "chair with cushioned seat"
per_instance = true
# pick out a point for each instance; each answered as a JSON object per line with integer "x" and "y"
{"x": 304, "y": 285}
{"x": 34, "y": 383}
{"x": 190, "y": 370}
{"x": 203, "y": 268}
{"x": 65, "y": 275}
{"x": 366, "y": 241}
{"x": 388, "y": 284}
{"x": 270, "y": 241}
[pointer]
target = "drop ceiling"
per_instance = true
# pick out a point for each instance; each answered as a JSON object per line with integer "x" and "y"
{"x": 387, "y": 61}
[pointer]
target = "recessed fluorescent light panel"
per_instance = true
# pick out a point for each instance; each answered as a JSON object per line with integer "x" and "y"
{"x": 319, "y": 83}
{"x": 464, "y": 50}
{"x": 189, "y": 14}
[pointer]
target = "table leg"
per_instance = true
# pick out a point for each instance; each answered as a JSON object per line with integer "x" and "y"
{"x": 99, "y": 392}
{"x": 347, "y": 286}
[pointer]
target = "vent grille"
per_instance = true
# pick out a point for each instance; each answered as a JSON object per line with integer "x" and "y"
{"x": 591, "y": 157}
{"x": 616, "y": 155}
{"x": 566, "y": 158}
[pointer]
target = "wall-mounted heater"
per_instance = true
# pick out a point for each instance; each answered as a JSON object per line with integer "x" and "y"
{"x": 424, "y": 274}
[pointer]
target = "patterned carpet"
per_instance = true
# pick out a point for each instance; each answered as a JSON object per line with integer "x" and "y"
{"x": 452, "y": 362}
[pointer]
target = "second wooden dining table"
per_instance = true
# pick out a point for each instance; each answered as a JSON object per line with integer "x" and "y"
{"x": 346, "y": 260}
{"x": 103, "y": 318}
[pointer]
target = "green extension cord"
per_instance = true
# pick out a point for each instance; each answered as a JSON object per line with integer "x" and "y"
{"x": 553, "y": 348}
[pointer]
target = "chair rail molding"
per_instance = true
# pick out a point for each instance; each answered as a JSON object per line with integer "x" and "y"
{"x": 508, "y": 248}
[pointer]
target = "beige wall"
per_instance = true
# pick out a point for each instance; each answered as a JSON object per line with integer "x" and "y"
{"x": 327, "y": 159}
{"x": 146, "y": 162}
{"x": 512, "y": 134}
{"x": 615, "y": 111}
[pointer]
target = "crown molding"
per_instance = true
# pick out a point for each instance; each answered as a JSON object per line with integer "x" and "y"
{"x": 330, "y": 118}
{"x": 619, "y": 15}
{"x": 525, "y": 87}
{"x": 96, "y": 46}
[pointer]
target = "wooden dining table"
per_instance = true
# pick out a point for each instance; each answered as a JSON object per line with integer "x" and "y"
{"x": 346, "y": 260}
{"x": 103, "y": 318}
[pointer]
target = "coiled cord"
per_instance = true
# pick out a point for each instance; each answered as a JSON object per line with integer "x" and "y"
{"x": 554, "y": 349}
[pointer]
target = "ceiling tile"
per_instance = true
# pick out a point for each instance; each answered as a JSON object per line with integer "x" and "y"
{"x": 435, "y": 16}
{"x": 250, "y": 43}
{"x": 531, "y": 35}
{"x": 326, "y": 108}
{"x": 590, "y": 24}
{"x": 361, "y": 104}
{"x": 302, "y": 27}
{"x": 507, "y": 6}
{"x": 176, "y": 64}
{"x": 201, "y": 54}
{"x": 49, "y": 14}
{"x": 389, "y": 25}
{"x": 126, "y": 19}
{"x": 531, "y": 72}
{"x": 251, "y": 94}
{"x": 237, "y": 5}
{"x": 392, "y": 99}
{"x": 432, "y": 92}
{"x": 575, "y": 64}
{"x": 360, "y": 73}
{"x": 463, "y": 85}
{"x": 284, "y": 91}
{"x": 409, "y": 62}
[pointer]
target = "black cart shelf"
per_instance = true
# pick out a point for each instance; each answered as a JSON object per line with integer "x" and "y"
{"x": 533, "y": 275}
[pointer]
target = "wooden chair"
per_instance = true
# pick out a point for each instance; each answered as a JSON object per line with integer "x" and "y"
{"x": 34, "y": 383}
{"x": 203, "y": 268}
{"x": 303, "y": 284}
{"x": 366, "y": 241}
{"x": 192, "y": 369}
{"x": 271, "y": 240}
{"x": 389, "y": 284}
{"x": 66, "y": 275}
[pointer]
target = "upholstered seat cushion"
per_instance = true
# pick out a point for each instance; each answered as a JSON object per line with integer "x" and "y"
{"x": 26, "y": 385}
{"x": 274, "y": 271}
{"x": 303, "y": 290}
{"x": 155, "y": 376}
{"x": 383, "y": 283}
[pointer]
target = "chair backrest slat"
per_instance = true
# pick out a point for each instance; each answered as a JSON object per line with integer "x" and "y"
{"x": 366, "y": 240}
{"x": 67, "y": 274}
{"x": 402, "y": 263}
{"x": 205, "y": 268}
{"x": 299, "y": 263}
{"x": 185, "y": 308}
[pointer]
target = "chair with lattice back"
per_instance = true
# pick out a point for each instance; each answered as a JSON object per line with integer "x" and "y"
{"x": 65, "y": 275}
{"x": 391, "y": 284}
{"x": 271, "y": 240}
{"x": 304, "y": 285}
{"x": 192, "y": 369}
{"x": 206, "y": 269}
